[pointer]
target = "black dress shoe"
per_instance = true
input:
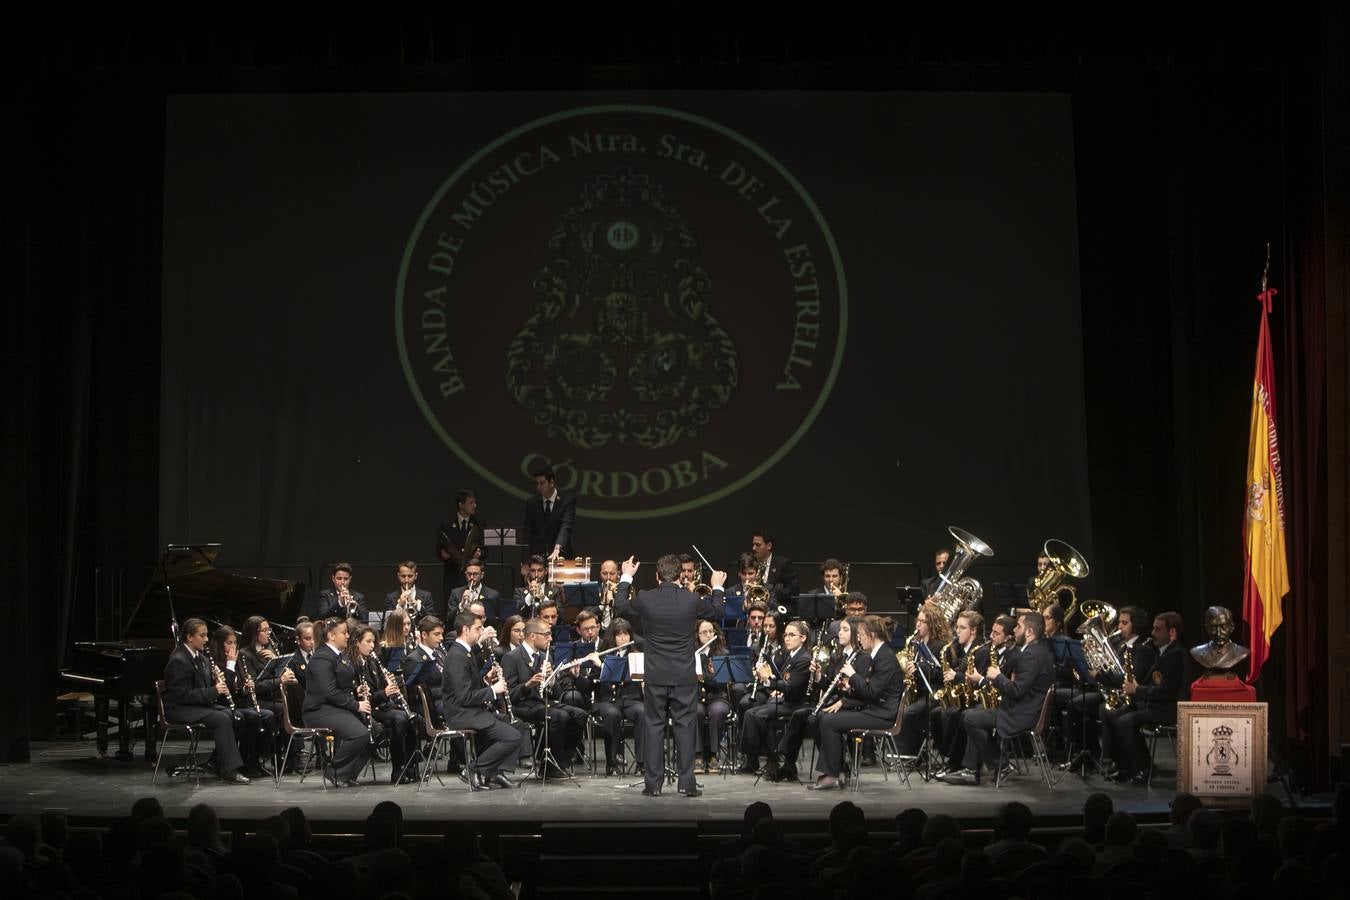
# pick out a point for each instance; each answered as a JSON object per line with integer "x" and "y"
{"x": 611, "y": 769}
{"x": 351, "y": 782}
{"x": 501, "y": 780}
{"x": 235, "y": 777}
{"x": 787, "y": 773}
{"x": 749, "y": 767}
{"x": 693, "y": 793}
{"x": 470, "y": 777}
{"x": 827, "y": 783}
{"x": 648, "y": 792}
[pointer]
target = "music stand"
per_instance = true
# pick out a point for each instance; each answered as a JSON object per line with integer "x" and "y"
{"x": 581, "y": 594}
{"x": 909, "y": 597}
{"x": 547, "y": 756}
{"x": 816, "y": 606}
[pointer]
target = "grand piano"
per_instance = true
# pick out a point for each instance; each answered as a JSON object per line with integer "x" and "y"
{"x": 187, "y": 585}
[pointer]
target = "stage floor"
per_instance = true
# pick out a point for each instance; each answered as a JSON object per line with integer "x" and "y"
{"x": 68, "y": 776}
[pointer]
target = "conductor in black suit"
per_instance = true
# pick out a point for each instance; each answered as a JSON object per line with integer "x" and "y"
{"x": 1028, "y": 672}
{"x": 467, "y": 702}
{"x": 549, "y": 518}
{"x": 190, "y": 695}
{"x": 669, "y": 613}
{"x": 330, "y": 702}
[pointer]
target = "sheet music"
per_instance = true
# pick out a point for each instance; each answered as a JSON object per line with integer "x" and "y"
{"x": 635, "y": 666}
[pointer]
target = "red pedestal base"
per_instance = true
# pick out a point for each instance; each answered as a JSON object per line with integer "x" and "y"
{"x": 1222, "y": 689}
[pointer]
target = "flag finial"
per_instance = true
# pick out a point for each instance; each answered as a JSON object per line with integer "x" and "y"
{"x": 1268, "y": 293}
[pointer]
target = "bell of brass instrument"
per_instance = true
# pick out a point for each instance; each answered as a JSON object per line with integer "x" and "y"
{"x": 1097, "y": 649}
{"x": 1065, "y": 563}
{"x": 757, "y": 593}
{"x": 956, "y": 594}
{"x": 841, "y": 591}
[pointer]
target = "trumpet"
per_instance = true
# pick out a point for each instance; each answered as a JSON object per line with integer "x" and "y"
{"x": 834, "y": 684}
{"x": 348, "y": 602}
{"x": 410, "y": 602}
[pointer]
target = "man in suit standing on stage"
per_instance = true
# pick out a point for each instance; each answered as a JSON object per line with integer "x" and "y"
{"x": 778, "y": 574}
{"x": 671, "y": 684}
{"x": 549, "y": 518}
{"x": 458, "y": 542}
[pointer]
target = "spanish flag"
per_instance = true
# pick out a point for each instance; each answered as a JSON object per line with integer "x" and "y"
{"x": 1267, "y": 573}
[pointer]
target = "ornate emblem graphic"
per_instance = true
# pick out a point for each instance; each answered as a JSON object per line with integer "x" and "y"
{"x": 1256, "y": 501}
{"x": 642, "y": 298}
{"x": 622, "y": 344}
{"x": 1222, "y": 755}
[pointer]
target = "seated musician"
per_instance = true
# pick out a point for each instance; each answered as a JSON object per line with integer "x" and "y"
{"x": 870, "y": 694}
{"x": 485, "y": 651}
{"x": 1028, "y": 672}
{"x": 526, "y": 670}
{"x": 577, "y": 686}
{"x": 619, "y": 701}
{"x": 474, "y": 589}
{"x": 777, "y": 572}
{"x": 714, "y": 700}
{"x": 513, "y": 629}
{"x": 304, "y": 651}
{"x": 423, "y": 665}
{"x": 1067, "y": 686}
{"x": 256, "y": 652}
{"x": 1153, "y": 694}
{"x": 340, "y": 601}
{"x": 536, "y": 589}
{"x": 255, "y": 724}
{"x": 941, "y": 557}
{"x": 396, "y": 639}
{"x": 468, "y": 703}
{"x": 192, "y": 693}
{"x": 923, "y": 674}
{"x": 409, "y": 597}
{"x": 389, "y": 710}
{"x": 966, "y": 655}
{"x": 782, "y": 764}
{"x": 737, "y": 599}
{"x": 609, "y": 587}
{"x": 330, "y": 702}
{"x": 688, "y": 571}
{"x": 1129, "y": 645}
{"x": 855, "y": 606}
{"x": 783, "y": 684}
{"x": 767, "y": 649}
{"x": 832, "y": 578}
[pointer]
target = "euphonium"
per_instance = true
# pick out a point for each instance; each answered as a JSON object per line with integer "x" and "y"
{"x": 955, "y": 594}
{"x": 1065, "y": 562}
{"x": 1116, "y": 697}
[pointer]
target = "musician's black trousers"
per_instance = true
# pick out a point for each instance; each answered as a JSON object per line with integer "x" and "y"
{"x": 612, "y": 717}
{"x": 498, "y": 747}
{"x": 712, "y": 724}
{"x": 220, "y": 724}
{"x": 757, "y": 726}
{"x": 1122, "y": 740}
{"x": 794, "y": 733}
{"x": 681, "y": 701}
{"x": 980, "y": 744}
{"x": 351, "y": 739}
{"x": 918, "y": 723}
{"x": 254, "y": 729}
{"x": 402, "y": 735}
{"x": 833, "y": 729}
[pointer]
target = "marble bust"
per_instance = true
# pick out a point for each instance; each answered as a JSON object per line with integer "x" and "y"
{"x": 1220, "y": 654}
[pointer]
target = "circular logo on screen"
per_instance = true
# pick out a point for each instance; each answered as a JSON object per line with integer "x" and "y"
{"x": 641, "y": 298}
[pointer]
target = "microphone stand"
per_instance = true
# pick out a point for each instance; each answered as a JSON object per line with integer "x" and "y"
{"x": 547, "y": 756}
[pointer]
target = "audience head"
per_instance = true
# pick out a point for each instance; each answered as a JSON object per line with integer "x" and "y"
{"x": 146, "y": 808}
{"x": 1149, "y": 847}
{"x": 1267, "y": 811}
{"x": 1013, "y": 821}
{"x": 300, "y": 833}
{"x": 909, "y": 827}
{"x": 844, "y": 814}
{"x": 1120, "y": 829}
{"x": 1204, "y": 828}
{"x": 1294, "y": 833}
{"x": 753, "y": 813}
{"x": 939, "y": 827}
{"x": 203, "y": 827}
{"x": 23, "y": 832}
{"x": 53, "y": 828}
{"x": 381, "y": 831}
{"x": 1097, "y": 808}
{"x": 1183, "y": 804}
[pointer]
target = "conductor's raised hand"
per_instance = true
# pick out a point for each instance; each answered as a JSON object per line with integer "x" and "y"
{"x": 717, "y": 579}
{"x": 630, "y": 566}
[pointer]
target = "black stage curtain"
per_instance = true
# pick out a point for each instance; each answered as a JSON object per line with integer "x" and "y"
{"x": 1182, "y": 178}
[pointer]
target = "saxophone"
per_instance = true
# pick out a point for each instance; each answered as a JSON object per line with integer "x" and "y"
{"x": 904, "y": 656}
{"x": 968, "y": 697}
{"x": 950, "y": 695}
{"x": 988, "y": 694}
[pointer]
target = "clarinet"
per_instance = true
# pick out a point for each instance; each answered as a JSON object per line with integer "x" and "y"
{"x": 219, "y": 676}
{"x": 361, "y": 691}
{"x": 763, "y": 653}
{"x": 250, "y": 689}
{"x": 384, "y": 676}
{"x": 838, "y": 677}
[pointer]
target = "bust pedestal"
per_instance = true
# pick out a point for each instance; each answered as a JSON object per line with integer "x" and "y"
{"x": 1221, "y": 687}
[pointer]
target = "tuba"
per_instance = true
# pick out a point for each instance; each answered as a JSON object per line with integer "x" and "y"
{"x": 955, "y": 594}
{"x": 1101, "y": 656}
{"x": 1065, "y": 562}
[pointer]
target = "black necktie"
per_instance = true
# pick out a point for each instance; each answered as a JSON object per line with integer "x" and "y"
{"x": 548, "y": 507}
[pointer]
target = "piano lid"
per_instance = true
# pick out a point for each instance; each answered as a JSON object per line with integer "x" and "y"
{"x": 202, "y": 590}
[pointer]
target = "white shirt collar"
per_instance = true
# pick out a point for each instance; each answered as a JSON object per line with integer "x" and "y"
{"x": 875, "y": 650}
{"x": 552, "y": 498}
{"x": 336, "y": 651}
{"x": 467, "y": 648}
